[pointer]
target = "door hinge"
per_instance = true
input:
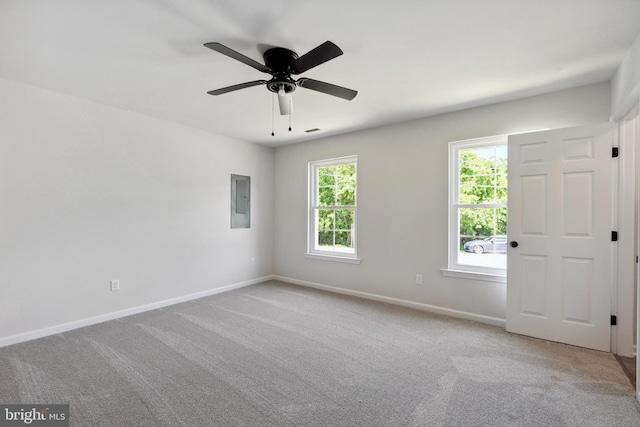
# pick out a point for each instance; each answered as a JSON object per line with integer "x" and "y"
{"x": 614, "y": 236}
{"x": 614, "y": 320}
{"x": 615, "y": 152}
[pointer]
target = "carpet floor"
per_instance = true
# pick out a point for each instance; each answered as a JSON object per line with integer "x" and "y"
{"x": 280, "y": 355}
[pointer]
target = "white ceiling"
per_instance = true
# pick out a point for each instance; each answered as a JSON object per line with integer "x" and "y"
{"x": 407, "y": 58}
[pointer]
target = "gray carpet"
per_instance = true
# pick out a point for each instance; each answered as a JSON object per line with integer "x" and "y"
{"x": 280, "y": 355}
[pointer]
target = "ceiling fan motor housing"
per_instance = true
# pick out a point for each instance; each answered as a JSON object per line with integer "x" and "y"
{"x": 279, "y": 60}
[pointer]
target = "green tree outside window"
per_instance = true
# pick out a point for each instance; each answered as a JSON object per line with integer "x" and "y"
{"x": 337, "y": 194}
{"x": 483, "y": 181}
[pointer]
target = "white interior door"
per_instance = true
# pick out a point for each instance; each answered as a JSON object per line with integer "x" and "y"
{"x": 559, "y": 277}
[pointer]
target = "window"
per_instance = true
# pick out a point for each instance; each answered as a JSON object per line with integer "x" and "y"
{"x": 478, "y": 206}
{"x": 332, "y": 209}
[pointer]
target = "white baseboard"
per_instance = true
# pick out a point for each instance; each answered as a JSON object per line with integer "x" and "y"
{"x": 57, "y": 329}
{"x": 417, "y": 305}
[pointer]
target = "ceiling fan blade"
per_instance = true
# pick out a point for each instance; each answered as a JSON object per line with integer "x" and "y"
{"x": 236, "y": 87}
{"x": 285, "y": 103}
{"x": 321, "y": 54}
{"x": 328, "y": 88}
{"x": 220, "y": 48}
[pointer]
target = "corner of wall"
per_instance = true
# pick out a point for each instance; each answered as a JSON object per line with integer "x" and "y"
{"x": 625, "y": 83}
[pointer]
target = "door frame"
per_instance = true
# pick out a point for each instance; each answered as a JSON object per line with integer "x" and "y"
{"x": 631, "y": 174}
{"x": 624, "y": 305}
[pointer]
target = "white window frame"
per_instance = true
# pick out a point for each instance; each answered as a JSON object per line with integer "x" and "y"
{"x": 456, "y": 269}
{"x": 312, "y": 248}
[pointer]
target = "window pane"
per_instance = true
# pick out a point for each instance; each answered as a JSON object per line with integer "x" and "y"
{"x": 326, "y": 196}
{"x": 325, "y": 239}
{"x": 327, "y": 176}
{"x": 343, "y": 240}
{"x": 344, "y": 219}
{"x": 346, "y": 195}
{"x": 501, "y": 187}
{"x": 326, "y": 220}
{"x": 482, "y": 237}
{"x": 346, "y": 174}
{"x": 483, "y": 175}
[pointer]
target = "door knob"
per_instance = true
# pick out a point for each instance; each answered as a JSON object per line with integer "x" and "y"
{"x": 514, "y": 244}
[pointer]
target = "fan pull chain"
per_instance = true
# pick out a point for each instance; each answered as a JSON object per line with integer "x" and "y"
{"x": 273, "y": 107}
{"x": 290, "y": 110}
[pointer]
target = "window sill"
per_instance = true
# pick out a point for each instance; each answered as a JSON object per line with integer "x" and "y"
{"x": 474, "y": 275}
{"x": 333, "y": 258}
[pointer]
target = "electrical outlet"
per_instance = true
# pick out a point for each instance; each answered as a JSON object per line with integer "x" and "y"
{"x": 115, "y": 285}
{"x": 252, "y": 261}
{"x": 418, "y": 279}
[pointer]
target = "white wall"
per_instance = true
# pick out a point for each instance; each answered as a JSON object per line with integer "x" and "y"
{"x": 90, "y": 193}
{"x": 402, "y": 200}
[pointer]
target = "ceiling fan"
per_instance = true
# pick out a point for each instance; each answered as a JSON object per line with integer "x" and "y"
{"x": 281, "y": 63}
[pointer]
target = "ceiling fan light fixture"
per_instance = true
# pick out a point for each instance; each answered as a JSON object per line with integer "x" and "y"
{"x": 281, "y": 63}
